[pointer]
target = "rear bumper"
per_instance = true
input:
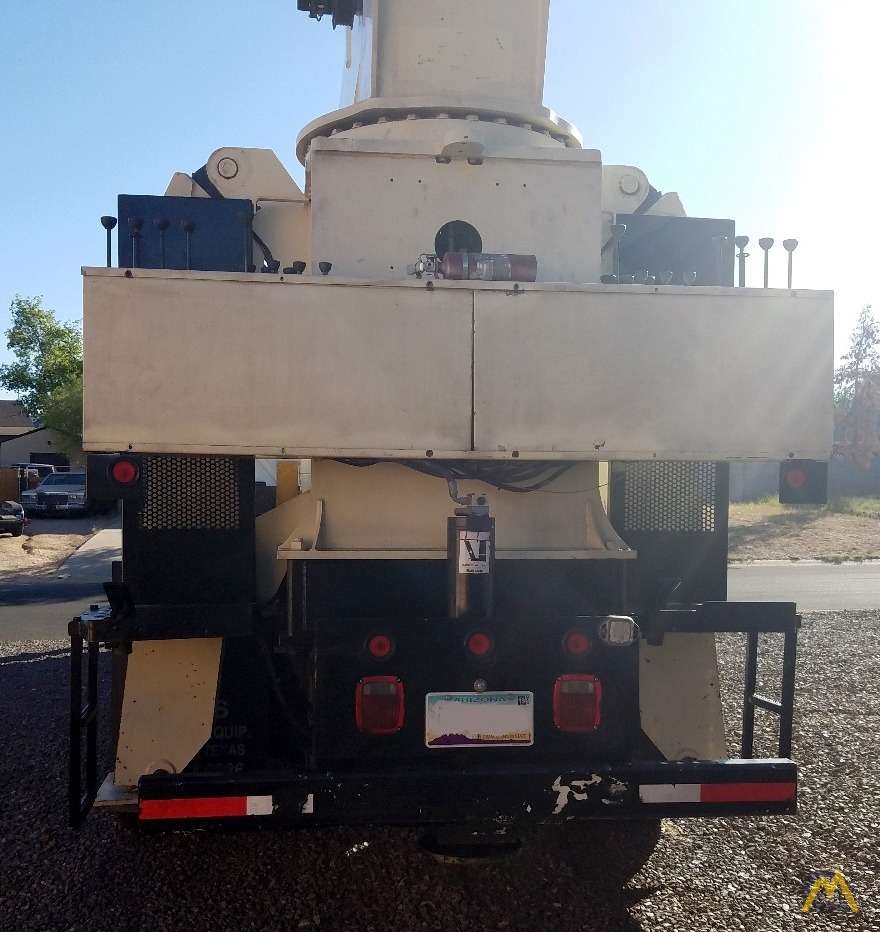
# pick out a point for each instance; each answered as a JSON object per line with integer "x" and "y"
{"x": 506, "y": 796}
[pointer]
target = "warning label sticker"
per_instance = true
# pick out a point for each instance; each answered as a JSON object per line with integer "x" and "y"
{"x": 473, "y": 551}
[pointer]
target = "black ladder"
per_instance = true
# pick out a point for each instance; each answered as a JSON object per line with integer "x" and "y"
{"x": 751, "y": 700}
{"x": 82, "y": 788}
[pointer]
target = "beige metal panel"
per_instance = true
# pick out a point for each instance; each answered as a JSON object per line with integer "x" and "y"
{"x": 218, "y": 362}
{"x": 488, "y": 48}
{"x": 494, "y": 48}
{"x": 413, "y": 109}
{"x": 272, "y": 529}
{"x": 649, "y": 372}
{"x": 284, "y": 226}
{"x": 251, "y": 173}
{"x": 390, "y": 508}
{"x": 429, "y": 136}
{"x": 680, "y": 697}
{"x": 181, "y": 185}
{"x": 167, "y": 707}
{"x": 210, "y": 362}
{"x": 374, "y": 211}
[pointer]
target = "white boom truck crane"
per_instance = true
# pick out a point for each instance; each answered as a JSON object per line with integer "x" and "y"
{"x": 519, "y": 377}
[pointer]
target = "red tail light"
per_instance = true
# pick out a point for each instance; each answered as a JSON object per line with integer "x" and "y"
{"x": 577, "y": 702}
{"x": 378, "y": 705}
{"x": 803, "y": 482}
{"x": 577, "y": 643}
{"x": 480, "y": 644}
{"x": 380, "y": 646}
{"x": 124, "y": 472}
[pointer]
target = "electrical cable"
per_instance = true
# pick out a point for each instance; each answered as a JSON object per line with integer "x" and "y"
{"x": 506, "y": 477}
{"x": 437, "y": 470}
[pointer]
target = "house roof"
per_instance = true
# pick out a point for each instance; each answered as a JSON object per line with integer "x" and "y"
{"x": 13, "y": 420}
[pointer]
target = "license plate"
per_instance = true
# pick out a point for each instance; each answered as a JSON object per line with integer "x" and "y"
{"x": 479, "y": 720}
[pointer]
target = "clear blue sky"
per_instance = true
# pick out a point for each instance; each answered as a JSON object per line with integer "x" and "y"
{"x": 757, "y": 110}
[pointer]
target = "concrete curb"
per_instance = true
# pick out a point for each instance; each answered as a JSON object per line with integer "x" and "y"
{"x": 92, "y": 562}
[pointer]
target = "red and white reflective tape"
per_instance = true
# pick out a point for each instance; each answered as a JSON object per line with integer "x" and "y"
{"x": 717, "y": 792}
{"x": 211, "y": 807}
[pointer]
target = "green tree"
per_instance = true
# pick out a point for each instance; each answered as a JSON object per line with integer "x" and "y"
{"x": 48, "y": 355}
{"x": 62, "y": 411}
{"x": 857, "y": 394}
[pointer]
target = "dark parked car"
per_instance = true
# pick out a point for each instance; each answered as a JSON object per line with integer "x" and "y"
{"x": 12, "y": 518}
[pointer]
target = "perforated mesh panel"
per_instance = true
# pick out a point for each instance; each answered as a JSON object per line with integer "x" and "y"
{"x": 190, "y": 493}
{"x": 670, "y": 497}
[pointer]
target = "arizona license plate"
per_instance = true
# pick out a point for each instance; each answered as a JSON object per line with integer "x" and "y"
{"x": 486, "y": 720}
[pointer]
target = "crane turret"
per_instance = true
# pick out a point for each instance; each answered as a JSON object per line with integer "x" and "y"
{"x": 410, "y": 64}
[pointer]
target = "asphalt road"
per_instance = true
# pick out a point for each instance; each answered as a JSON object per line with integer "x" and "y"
{"x": 41, "y": 608}
{"x": 29, "y": 614}
{"x": 814, "y": 586}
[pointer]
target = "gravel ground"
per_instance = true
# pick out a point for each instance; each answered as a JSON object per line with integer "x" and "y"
{"x": 700, "y": 875}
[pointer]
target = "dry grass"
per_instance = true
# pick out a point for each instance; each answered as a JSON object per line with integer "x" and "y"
{"x": 46, "y": 544}
{"x": 845, "y": 529}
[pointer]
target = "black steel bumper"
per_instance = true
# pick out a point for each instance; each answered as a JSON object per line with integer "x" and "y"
{"x": 478, "y": 795}
{"x": 501, "y": 796}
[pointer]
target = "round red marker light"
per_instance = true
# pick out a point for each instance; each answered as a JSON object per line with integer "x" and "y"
{"x": 479, "y": 644}
{"x": 577, "y": 643}
{"x": 380, "y": 646}
{"x": 124, "y": 472}
{"x": 796, "y": 478}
